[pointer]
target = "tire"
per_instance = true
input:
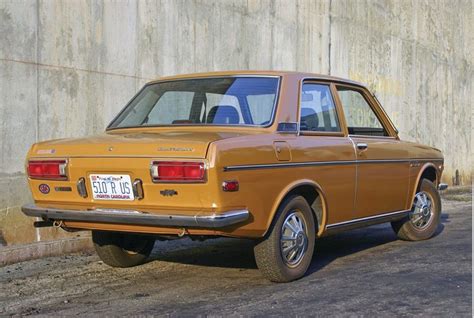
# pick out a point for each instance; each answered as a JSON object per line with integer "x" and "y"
{"x": 122, "y": 249}
{"x": 406, "y": 229}
{"x": 269, "y": 251}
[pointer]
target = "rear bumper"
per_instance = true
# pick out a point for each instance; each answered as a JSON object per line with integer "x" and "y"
{"x": 131, "y": 217}
{"x": 442, "y": 186}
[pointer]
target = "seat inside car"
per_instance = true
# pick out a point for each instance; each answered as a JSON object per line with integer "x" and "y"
{"x": 309, "y": 119}
{"x": 223, "y": 114}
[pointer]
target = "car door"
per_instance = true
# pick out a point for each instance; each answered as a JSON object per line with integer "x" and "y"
{"x": 382, "y": 161}
{"x": 326, "y": 152}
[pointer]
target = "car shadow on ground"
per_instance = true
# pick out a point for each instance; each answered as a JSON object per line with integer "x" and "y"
{"x": 328, "y": 249}
{"x": 238, "y": 253}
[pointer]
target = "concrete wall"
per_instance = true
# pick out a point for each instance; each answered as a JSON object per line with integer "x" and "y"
{"x": 66, "y": 67}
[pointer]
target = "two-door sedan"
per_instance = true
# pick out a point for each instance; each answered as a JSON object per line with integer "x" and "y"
{"x": 282, "y": 158}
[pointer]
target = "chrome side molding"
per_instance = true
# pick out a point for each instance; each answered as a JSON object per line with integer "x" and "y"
{"x": 366, "y": 221}
{"x": 132, "y": 217}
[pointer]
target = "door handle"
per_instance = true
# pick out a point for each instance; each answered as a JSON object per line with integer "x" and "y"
{"x": 362, "y": 146}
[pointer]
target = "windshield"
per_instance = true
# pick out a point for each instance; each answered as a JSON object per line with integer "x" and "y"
{"x": 208, "y": 101}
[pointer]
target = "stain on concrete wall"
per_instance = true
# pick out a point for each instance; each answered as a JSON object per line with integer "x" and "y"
{"x": 66, "y": 67}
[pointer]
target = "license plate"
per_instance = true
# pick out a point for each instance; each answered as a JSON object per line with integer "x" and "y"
{"x": 111, "y": 187}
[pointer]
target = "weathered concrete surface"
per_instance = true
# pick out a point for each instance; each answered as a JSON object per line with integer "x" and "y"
{"x": 66, "y": 67}
{"x": 367, "y": 272}
{"x": 418, "y": 58}
{"x": 50, "y": 247}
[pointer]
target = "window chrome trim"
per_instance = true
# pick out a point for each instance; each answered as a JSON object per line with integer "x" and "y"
{"x": 272, "y": 118}
{"x": 372, "y": 137}
{"x": 385, "y": 113}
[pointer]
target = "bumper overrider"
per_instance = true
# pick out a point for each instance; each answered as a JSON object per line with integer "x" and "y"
{"x": 131, "y": 217}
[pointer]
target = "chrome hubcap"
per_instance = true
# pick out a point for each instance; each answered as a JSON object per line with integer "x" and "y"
{"x": 422, "y": 210}
{"x": 294, "y": 238}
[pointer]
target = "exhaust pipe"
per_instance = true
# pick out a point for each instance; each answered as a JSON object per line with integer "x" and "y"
{"x": 46, "y": 223}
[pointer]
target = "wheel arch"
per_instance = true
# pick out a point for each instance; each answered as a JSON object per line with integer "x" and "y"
{"x": 428, "y": 171}
{"x": 311, "y": 191}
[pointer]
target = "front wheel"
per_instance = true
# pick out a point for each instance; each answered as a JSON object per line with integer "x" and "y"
{"x": 122, "y": 249}
{"x": 286, "y": 251}
{"x": 424, "y": 217}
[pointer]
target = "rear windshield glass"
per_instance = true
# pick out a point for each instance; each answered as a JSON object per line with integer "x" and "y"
{"x": 209, "y": 101}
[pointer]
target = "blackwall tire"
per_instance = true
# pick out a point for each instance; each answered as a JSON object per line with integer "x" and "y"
{"x": 426, "y": 209}
{"x": 272, "y": 253}
{"x": 122, "y": 249}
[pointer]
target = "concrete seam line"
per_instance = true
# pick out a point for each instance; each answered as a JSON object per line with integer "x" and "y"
{"x": 75, "y": 69}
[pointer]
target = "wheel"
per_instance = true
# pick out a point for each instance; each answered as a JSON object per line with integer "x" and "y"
{"x": 424, "y": 217}
{"x": 286, "y": 251}
{"x": 121, "y": 249}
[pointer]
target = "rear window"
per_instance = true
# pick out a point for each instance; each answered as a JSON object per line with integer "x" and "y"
{"x": 246, "y": 101}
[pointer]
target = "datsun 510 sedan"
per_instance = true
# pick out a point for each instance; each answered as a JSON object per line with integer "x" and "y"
{"x": 281, "y": 158}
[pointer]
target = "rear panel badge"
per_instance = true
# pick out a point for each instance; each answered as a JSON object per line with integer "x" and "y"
{"x": 168, "y": 192}
{"x": 44, "y": 188}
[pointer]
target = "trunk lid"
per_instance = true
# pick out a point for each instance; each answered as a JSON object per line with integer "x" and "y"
{"x": 172, "y": 144}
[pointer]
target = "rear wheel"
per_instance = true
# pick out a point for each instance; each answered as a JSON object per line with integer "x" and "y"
{"x": 424, "y": 217}
{"x": 122, "y": 249}
{"x": 286, "y": 251}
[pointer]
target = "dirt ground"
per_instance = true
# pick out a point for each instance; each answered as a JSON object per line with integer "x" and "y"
{"x": 364, "y": 272}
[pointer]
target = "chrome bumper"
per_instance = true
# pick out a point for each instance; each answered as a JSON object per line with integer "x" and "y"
{"x": 131, "y": 217}
{"x": 442, "y": 186}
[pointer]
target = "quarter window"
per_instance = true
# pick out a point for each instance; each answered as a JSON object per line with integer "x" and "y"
{"x": 360, "y": 117}
{"x": 318, "y": 112}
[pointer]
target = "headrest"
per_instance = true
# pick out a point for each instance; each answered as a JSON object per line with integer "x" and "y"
{"x": 223, "y": 114}
{"x": 309, "y": 119}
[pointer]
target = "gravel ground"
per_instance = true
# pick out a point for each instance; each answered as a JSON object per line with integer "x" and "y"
{"x": 364, "y": 272}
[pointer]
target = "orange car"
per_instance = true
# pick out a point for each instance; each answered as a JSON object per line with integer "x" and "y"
{"x": 279, "y": 157}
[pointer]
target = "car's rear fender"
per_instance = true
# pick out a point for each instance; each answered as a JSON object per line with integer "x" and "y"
{"x": 315, "y": 193}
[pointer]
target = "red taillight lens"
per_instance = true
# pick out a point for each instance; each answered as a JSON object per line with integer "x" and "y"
{"x": 230, "y": 186}
{"x": 177, "y": 171}
{"x": 47, "y": 169}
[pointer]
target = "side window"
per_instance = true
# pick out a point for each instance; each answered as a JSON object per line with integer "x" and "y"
{"x": 318, "y": 112}
{"x": 361, "y": 119}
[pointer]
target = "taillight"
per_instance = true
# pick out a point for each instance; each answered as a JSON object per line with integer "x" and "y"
{"x": 179, "y": 171}
{"x": 230, "y": 186}
{"x": 47, "y": 169}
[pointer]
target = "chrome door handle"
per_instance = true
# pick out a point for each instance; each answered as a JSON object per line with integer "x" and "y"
{"x": 362, "y": 146}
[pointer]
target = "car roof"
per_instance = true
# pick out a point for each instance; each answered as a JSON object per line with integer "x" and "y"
{"x": 297, "y": 75}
